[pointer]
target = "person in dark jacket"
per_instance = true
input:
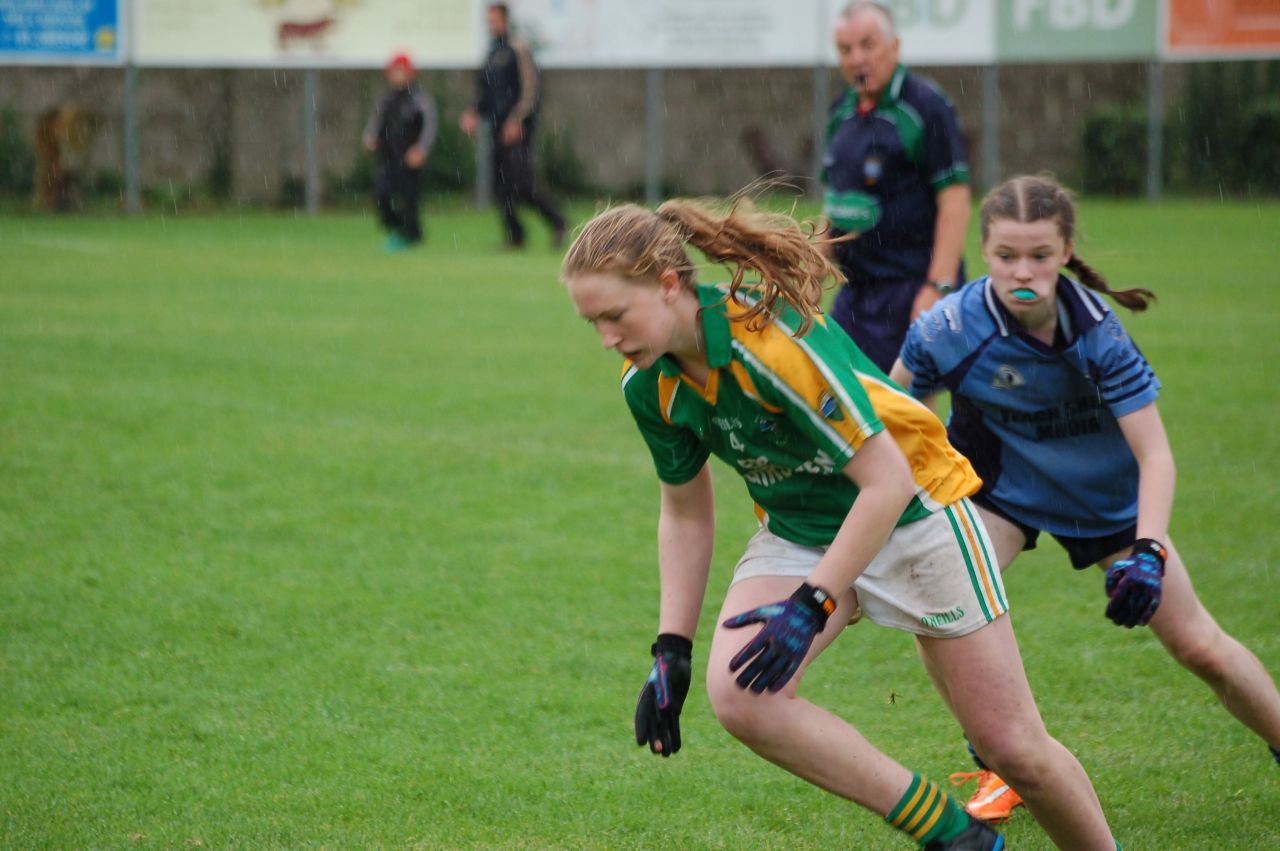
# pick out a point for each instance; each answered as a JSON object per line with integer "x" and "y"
{"x": 508, "y": 100}
{"x": 400, "y": 133}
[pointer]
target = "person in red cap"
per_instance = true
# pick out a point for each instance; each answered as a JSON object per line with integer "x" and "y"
{"x": 400, "y": 133}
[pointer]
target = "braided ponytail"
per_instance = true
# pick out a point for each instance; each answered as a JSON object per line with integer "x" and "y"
{"x": 1032, "y": 198}
{"x": 1136, "y": 299}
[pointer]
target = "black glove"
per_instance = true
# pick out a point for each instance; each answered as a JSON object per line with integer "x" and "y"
{"x": 662, "y": 698}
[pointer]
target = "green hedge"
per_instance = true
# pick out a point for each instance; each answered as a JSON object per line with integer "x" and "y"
{"x": 1222, "y": 138}
{"x": 1114, "y": 148}
{"x": 17, "y": 160}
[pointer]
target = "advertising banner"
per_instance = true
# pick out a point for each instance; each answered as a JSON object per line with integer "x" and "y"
{"x": 307, "y": 33}
{"x": 941, "y": 32}
{"x": 62, "y": 32}
{"x": 672, "y": 33}
{"x": 1076, "y": 30}
{"x": 1208, "y": 29}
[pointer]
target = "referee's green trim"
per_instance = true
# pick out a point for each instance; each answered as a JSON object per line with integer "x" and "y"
{"x": 909, "y": 126}
{"x": 987, "y": 555}
{"x": 952, "y": 177}
{"x": 968, "y": 562}
{"x": 851, "y": 210}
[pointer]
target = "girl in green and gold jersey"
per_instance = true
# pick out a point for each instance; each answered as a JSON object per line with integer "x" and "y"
{"x": 863, "y": 508}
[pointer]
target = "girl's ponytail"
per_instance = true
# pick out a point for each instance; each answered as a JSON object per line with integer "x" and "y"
{"x": 1136, "y": 299}
{"x": 781, "y": 251}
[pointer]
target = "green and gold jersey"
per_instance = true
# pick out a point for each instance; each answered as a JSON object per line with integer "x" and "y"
{"x": 788, "y": 413}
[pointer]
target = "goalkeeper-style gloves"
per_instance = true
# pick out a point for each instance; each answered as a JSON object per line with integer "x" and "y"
{"x": 776, "y": 652}
{"x": 662, "y": 698}
{"x": 1133, "y": 584}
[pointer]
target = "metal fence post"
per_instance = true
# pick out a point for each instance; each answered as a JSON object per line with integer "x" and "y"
{"x": 132, "y": 180}
{"x": 654, "y": 113}
{"x": 1155, "y": 130}
{"x": 310, "y": 133}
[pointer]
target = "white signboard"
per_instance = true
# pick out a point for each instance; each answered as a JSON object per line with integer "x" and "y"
{"x": 672, "y": 33}
{"x": 933, "y": 32}
{"x": 307, "y": 33}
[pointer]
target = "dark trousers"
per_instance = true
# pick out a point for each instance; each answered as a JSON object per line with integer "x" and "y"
{"x": 877, "y": 317}
{"x": 398, "y": 190}
{"x": 513, "y": 184}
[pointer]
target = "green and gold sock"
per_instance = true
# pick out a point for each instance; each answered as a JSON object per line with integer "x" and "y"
{"x": 926, "y": 813}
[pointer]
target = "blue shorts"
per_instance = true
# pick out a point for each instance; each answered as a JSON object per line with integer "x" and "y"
{"x": 1082, "y": 551}
{"x": 877, "y": 317}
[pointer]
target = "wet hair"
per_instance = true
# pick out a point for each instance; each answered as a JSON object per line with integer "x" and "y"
{"x": 640, "y": 245}
{"x": 1034, "y": 198}
{"x": 857, "y": 7}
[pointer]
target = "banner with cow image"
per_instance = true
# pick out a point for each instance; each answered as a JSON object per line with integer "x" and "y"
{"x": 307, "y": 33}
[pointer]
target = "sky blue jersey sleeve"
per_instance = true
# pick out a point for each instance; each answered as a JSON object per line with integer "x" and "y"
{"x": 1126, "y": 381}
{"x": 918, "y": 357}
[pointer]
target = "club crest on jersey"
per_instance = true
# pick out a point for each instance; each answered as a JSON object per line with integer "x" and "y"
{"x": 829, "y": 407}
{"x": 872, "y": 170}
{"x": 953, "y": 318}
{"x": 1007, "y": 378}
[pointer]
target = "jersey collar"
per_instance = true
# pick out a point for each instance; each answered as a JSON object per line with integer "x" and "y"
{"x": 893, "y": 91}
{"x": 848, "y": 104}
{"x": 1078, "y": 309}
{"x": 715, "y": 332}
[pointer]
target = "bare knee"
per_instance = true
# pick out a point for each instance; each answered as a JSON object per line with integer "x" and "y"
{"x": 1205, "y": 654}
{"x": 1021, "y": 760}
{"x": 744, "y": 715}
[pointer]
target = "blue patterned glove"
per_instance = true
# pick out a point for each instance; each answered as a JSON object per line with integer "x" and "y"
{"x": 662, "y": 698}
{"x": 1133, "y": 584}
{"x": 777, "y": 650}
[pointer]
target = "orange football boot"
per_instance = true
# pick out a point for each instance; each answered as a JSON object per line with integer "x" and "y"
{"x": 994, "y": 801}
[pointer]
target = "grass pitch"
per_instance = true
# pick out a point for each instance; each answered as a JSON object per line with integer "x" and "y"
{"x": 307, "y": 546}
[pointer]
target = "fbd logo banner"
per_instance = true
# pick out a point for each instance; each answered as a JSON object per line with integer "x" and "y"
{"x": 1070, "y": 30}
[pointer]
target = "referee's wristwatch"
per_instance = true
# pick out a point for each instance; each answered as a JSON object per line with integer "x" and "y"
{"x": 943, "y": 287}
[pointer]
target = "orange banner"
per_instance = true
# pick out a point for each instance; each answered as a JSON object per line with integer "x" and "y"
{"x": 1224, "y": 27}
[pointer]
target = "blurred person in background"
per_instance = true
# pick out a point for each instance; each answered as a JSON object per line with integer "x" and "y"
{"x": 508, "y": 99}
{"x": 400, "y": 133}
{"x": 896, "y": 173}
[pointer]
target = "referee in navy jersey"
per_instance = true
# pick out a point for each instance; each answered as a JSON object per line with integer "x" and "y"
{"x": 895, "y": 174}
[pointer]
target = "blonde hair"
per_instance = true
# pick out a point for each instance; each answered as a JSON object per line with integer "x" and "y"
{"x": 640, "y": 245}
{"x": 1034, "y": 198}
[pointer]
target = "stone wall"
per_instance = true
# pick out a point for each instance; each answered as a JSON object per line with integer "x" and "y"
{"x": 719, "y": 125}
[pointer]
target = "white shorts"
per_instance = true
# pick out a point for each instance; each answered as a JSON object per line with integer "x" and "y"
{"x": 936, "y": 577}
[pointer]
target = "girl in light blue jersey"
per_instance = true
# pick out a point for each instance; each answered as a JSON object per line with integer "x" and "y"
{"x": 1054, "y": 405}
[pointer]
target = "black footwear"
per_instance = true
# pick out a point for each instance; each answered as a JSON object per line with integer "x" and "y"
{"x": 978, "y": 836}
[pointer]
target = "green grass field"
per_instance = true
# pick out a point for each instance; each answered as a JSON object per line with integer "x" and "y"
{"x": 307, "y": 546}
